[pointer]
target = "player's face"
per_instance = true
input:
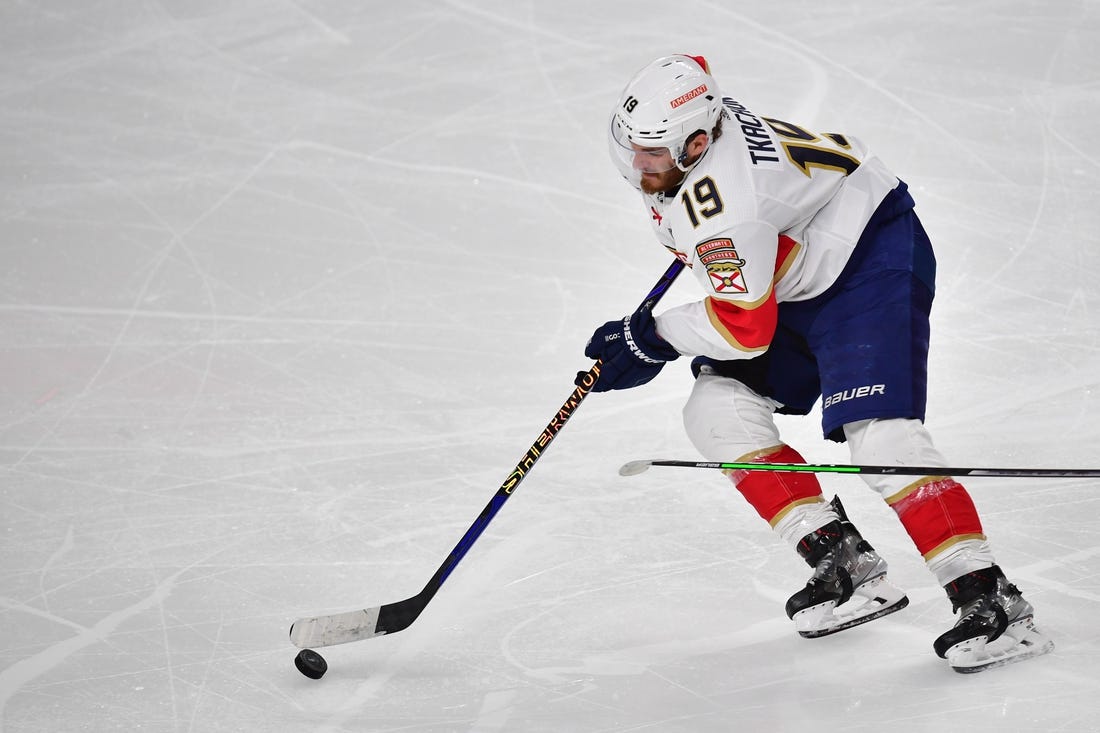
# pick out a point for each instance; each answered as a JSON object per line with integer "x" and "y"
{"x": 657, "y": 169}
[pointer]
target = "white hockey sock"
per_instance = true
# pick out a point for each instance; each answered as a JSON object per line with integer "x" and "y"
{"x": 803, "y": 519}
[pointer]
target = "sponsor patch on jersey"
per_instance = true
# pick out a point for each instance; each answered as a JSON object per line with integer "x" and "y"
{"x": 723, "y": 265}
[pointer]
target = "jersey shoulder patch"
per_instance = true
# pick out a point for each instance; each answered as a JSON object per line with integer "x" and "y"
{"x": 723, "y": 266}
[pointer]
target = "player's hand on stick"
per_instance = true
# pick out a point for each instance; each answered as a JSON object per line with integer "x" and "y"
{"x": 631, "y": 350}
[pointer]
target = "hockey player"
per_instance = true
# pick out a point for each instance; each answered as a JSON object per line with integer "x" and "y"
{"x": 819, "y": 280}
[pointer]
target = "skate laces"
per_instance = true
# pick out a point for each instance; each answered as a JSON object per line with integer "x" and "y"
{"x": 981, "y": 610}
{"x": 989, "y": 613}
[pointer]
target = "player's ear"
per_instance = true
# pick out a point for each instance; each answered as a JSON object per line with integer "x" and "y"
{"x": 698, "y": 144}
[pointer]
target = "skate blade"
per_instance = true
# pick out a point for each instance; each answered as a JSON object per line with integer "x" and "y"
{"x": 872, "y": 600}
{"x": 1020, "y": 641}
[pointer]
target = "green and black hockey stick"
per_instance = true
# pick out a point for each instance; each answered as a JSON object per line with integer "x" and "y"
{"x": 633, "y": 468}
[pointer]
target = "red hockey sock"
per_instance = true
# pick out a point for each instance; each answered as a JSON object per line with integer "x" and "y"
{"x": 772, "y": 493}
{"x": 937, "y": 512}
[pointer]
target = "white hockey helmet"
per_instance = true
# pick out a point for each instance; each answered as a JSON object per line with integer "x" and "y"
{"x": 663, "y": 106}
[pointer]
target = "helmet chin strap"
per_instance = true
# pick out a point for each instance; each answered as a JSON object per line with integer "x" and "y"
{"x": 687, "y": 168}
{"x": 684, "y": 153}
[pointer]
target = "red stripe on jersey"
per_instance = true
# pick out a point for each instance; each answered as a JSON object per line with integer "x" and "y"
{"x": 744, "y": 329}
{"x": 937, "y": 514}
{"x": 772, "y": 493}
{"x": 784, "y": 256}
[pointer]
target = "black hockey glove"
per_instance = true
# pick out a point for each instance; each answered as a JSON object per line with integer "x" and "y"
{"x": 632, "y": 352}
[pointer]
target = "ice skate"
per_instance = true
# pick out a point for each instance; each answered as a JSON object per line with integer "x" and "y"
{"x": 995, "y": 627}
{"x": 849, "y": 585}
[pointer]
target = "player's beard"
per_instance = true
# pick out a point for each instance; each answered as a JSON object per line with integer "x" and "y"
{"x": 655, "y": 183}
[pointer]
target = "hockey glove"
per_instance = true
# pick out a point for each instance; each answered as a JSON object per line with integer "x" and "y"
{"x": 632, "y": 352}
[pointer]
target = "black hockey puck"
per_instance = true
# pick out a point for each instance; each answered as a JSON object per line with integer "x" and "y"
{"x": 311, "y": 664}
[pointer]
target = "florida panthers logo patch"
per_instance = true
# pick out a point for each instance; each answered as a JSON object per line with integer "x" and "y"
{"x": 723, "y": 265}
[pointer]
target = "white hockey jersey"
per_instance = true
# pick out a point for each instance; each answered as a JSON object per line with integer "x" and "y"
{"x": 771, "y": 213}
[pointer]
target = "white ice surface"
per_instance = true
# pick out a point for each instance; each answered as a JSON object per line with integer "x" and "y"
{"x": 287, "y": 288}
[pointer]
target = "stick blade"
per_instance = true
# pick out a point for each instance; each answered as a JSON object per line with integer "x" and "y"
{"x": 340, "y": 628}
{"x": 633, "y": 468}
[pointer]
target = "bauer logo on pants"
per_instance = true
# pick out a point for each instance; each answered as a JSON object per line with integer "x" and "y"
{"x": 867, "y": 390}
{"x": 723, "y": 265}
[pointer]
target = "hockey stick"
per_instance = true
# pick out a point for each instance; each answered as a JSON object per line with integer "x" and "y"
{"x": 342, "y": 628}
{"x": 633, "y": 468}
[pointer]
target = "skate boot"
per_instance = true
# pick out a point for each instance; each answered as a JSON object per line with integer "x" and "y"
{"x": 849, "y": 585}
{"x": 995, "y": 625}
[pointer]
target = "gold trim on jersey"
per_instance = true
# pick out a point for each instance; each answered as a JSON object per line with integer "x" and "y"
{"x": 951, "y": 542}
{"x": 725, "y": 333}
{"x": 910, "y": 489}
{"x": 774, "y": 521}
{"x": 792, "y": 254}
